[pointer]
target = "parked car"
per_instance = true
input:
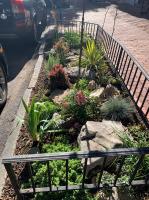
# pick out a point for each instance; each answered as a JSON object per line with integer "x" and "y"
{"x": 22, "y": 17}
{"x": 3, "y": 77}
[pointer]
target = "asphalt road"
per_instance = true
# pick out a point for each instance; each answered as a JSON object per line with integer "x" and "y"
{"x": 19, "y": 55}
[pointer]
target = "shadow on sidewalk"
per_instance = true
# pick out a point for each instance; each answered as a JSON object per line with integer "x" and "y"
{"x": 75, "y": 7}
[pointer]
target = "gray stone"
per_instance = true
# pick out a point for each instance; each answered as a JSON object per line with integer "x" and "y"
{"x": 109, "y": 92}
{"x": 90, "y": 74}
{"x": 52, "y": 51}
{"x": 73, "y": 73}
{"x": 87, "y": 132}
{"x": 58, "y": 119}
{"x": 58, "y": 96}
{"x": 105, "y": 93}
{"x": 92, "y": 85}
{"x": 97, "y": 93}
{"x": 100, "y": 136}
{"x": 72, "y": 58}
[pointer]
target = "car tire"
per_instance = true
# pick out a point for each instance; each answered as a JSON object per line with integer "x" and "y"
{"x": 3, "y": 86}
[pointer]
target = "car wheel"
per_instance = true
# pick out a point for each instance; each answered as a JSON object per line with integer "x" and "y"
{"x": 3, "y": 86}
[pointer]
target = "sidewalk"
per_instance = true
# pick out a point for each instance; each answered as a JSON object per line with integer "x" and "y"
{"x": 130, "y": 30}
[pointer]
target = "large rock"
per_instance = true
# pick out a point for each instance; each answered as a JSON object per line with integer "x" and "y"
{"x": 58, "y": 96}
{"x": 73, "y": 73}
{"x": 100, "y": 136}
{"x": 72, "y": 58}
{"x": 105, "y": 93}
{"x": 97, "y": 93}
{"x": 109, "y": 92}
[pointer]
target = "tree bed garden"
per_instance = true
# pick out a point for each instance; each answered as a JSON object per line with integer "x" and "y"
{"x": 66, "y": 100}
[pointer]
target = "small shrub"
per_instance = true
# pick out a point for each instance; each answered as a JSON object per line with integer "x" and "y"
{"x": 116, "y": 109}
{"x": 82, "y": 84}
{"x": 58, "y": 78}
{"x": 73, "y": 39}
{"x": 80, "y": 106}
{"x": 61, "y": 47}
{"x": 52, "y": 60}
{"x": 80, "y": 98}
{"x": 74, "y": 106}
{"x": 115, "y": 81}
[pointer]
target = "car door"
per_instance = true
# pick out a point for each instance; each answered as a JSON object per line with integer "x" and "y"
{"x": 6, "y": 17}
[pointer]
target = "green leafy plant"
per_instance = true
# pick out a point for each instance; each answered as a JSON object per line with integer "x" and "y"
{"x": 52, "y": 60}
{"x": 61, "y": 144}
{"x": 61, "y": 47}
{"x": 130, "y": 142}
{"x": 82, "y": 84}
{"x": 58, "y": 172}
{"x": 73, "y": 39}
{"x": 93, "y": 56}
{"x": 116, "y": 109}
{"x": 36, "y": 113}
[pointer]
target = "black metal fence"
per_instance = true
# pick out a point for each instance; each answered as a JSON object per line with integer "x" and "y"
{"x": 67, "y": 156}
{"x": 133, "y": 75}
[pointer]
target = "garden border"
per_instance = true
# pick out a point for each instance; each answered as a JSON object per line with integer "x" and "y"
{"x": 10, "y": 145}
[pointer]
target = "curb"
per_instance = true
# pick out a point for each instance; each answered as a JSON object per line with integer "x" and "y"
{"x": 17, "y": 125}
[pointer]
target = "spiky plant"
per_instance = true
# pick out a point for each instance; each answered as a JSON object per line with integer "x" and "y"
{"x": 116, "y": 109}
{"x": 92, "y": 55}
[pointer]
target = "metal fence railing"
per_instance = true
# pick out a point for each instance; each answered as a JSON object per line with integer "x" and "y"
{"x": 133, "y": 75}
{"x": 67, "y": 156}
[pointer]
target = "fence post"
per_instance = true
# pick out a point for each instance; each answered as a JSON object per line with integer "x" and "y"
{"x": 13, "y": 180}
{"x": 119, "y": 58}
{"x": 96, "y": 34}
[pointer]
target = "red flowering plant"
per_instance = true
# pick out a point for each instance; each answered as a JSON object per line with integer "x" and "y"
{"x": 75, "y": 106}
{"x": 80, "y": 98}
{"x": 58, "y": 78}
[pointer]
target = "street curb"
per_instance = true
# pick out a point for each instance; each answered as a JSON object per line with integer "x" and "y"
{"x": 10, "y": 146}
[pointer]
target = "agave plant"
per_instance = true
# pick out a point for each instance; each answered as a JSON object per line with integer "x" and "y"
{"x": 92, "y": 55}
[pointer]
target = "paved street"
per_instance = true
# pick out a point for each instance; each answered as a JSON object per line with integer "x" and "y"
{"x": 19, "y": 54}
